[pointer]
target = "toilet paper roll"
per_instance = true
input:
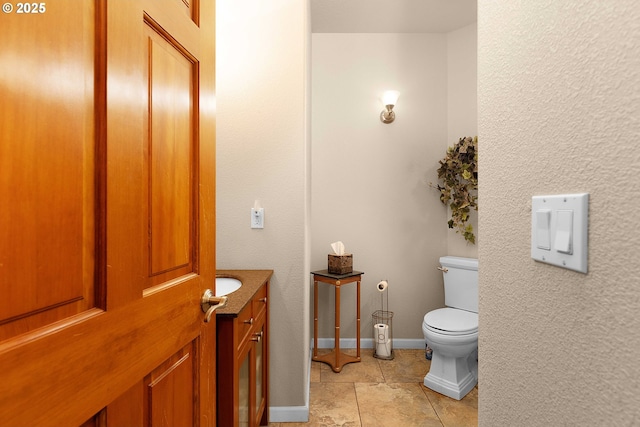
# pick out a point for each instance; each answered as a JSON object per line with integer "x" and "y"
{"x": 381, "y": 338}
{"x": 383, "y": 349}
{"x": 381, "y": 332}
{"x": 382, "y": 285}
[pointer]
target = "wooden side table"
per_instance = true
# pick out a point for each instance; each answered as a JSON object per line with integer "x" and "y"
{"x": 336, "y": 359}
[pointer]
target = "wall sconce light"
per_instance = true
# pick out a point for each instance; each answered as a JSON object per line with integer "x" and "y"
{"x": 389, "y": 99}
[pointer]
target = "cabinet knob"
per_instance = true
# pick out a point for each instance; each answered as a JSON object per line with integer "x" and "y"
{"x": 257, "y": 336}
{"x": 249, "y": 322}
{"x": 264, "y": 300}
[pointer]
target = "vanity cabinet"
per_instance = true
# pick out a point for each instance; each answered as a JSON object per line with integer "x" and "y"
{"x": 243, "y": 362}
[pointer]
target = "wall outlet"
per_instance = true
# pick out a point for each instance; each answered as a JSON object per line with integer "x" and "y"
{"x": 257, "y": 218}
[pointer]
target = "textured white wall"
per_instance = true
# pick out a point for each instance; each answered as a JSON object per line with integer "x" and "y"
{"x": 262, "y": 153}
{"x": 559, "y": 112}
{"x": 370, "y": 180}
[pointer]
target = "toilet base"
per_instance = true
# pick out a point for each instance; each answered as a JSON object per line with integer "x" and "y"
{"x": 451, "y": 376}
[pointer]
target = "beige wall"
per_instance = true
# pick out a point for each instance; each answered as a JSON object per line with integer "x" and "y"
{"x": 262, "y": 153}
{"x": 370, "y": 180}
{"x": 559, "y": 109}
{"x": 462, "y": 113}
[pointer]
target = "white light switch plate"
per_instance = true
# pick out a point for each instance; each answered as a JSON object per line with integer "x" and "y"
{"x": 563, "y": 236}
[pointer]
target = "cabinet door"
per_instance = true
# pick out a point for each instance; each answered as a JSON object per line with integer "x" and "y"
{"x": 262, "y": 382}
{"x": 244, "y": 389}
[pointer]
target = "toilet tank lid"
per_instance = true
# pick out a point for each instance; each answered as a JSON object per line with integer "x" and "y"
{"x": 459, "y": 262}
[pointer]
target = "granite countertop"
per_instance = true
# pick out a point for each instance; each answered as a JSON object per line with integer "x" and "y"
{"x": 251, "y": 282}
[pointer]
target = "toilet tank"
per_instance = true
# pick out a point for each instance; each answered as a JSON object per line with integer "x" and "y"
{"x": 460, "y": 282}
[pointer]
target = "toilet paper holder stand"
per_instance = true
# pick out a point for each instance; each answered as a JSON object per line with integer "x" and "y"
{"x": 383, "y": 326}
{"x": 382, "y": 334}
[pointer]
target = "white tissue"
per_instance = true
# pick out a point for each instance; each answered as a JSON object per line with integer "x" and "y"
{"x": 382, "y": 332}
{"x": 382, "y": 339}
{"x": 338, "y": 248}
{"x": 382, "y": 285}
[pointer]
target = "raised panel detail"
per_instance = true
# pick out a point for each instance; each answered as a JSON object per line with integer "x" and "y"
{"x": 172, "y": 147}
{"x": 191, "y": 8}
{"x": 47, "y": 167}
{"x": 171, "y": 391}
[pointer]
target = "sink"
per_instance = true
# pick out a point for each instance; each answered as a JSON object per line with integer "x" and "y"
{"x": 226, "y": 285}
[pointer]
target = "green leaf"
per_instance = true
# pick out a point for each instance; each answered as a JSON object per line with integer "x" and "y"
{"x": 458, "y": 175}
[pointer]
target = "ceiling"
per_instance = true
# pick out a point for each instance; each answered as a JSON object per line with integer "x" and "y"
{"x": 391, "y": 16}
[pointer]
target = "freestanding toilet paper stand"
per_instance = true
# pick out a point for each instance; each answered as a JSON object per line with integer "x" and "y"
{"x": 336, "y": 359}
{"x": 382, "y": 326}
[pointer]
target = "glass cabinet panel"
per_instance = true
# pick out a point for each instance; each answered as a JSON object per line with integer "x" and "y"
{"x": 260, "y": 369}
{"x": 243, "y": 389}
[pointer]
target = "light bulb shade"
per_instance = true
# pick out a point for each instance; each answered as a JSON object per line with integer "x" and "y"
{"x": 390, "y": 97}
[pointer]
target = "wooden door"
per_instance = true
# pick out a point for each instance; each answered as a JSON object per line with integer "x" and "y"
{"x": 107, "y": 216}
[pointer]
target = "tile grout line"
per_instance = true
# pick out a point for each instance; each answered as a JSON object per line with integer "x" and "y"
{"x": 381, "y": 370}
{"x": 431, "y": 404}
{"x": 357, "y": 403}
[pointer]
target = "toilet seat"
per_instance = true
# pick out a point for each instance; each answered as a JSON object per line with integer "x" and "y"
{"x": 451, "y": 321}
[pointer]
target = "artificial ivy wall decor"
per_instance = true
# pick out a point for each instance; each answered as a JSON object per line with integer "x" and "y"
{"x": 458, "y": 184}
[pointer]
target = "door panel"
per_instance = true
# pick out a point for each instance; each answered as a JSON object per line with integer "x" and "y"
{"x": 109, "y": 241}
{"x": 171, "y": 386}
{"x": 172, "y": 77}
{"x": 47, "y": 237}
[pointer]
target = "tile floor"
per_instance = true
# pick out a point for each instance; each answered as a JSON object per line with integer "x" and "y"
{"x": 383, "y": 393}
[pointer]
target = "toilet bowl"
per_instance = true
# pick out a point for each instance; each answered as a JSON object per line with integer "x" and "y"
{"x": 454, "y": 366}
{"x": 452, "y": 332}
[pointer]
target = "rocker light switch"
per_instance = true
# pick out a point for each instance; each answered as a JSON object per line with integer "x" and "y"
{"x": 564, "y": 232}
{"x": 560, "y": 230}
{"x": 543, "y": 231}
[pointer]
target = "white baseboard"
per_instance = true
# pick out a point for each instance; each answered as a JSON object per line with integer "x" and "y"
{"x": 289, "y": 414}
{"x": 292, "y": 414}
{"x": 399, "y": 343}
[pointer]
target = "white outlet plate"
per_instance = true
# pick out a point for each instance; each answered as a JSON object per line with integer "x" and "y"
{"x": 550, "y": 246}
{"x": 257, "y": 218}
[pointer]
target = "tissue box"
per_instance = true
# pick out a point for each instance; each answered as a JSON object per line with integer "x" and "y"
{"x": 340, "y": 264}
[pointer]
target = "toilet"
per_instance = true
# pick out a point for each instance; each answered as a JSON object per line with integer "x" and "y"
{"x": 452, "y": 332}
